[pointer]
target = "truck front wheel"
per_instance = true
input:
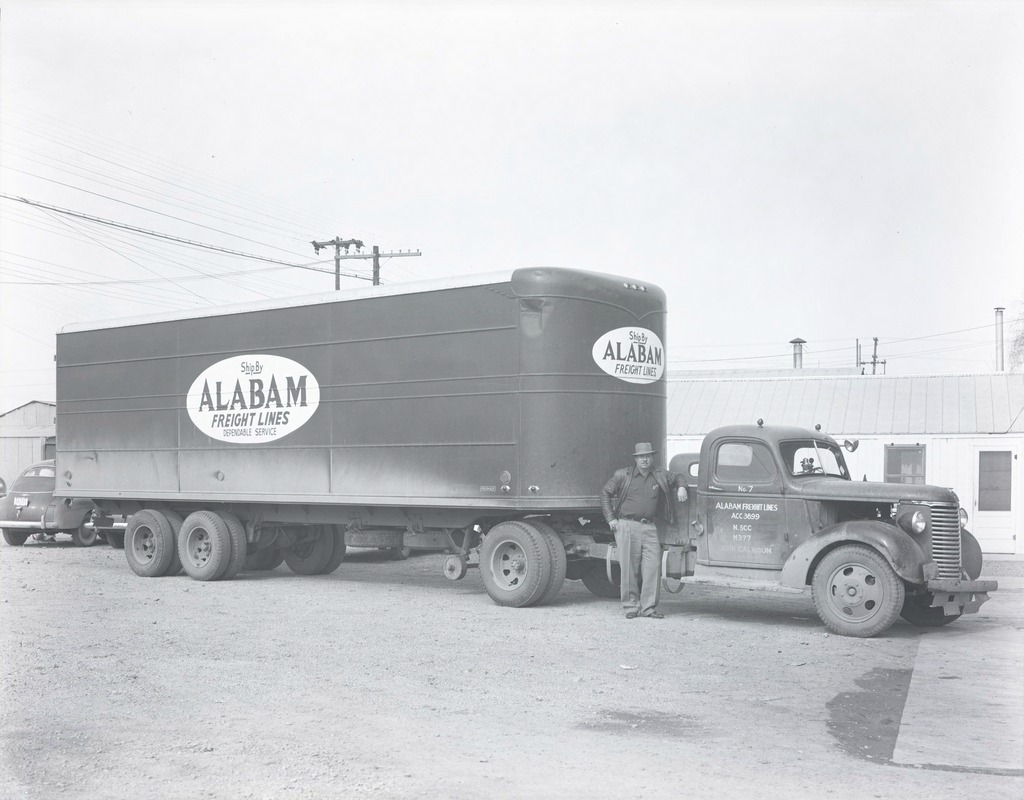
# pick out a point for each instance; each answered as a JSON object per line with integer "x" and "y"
{"x": 856, "y": 592}
{"x": 596, "y": 580}
{"x": 515, "y": 564}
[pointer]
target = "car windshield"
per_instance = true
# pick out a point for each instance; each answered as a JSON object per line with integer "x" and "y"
{"x": 814, "y": 457}
{"x": 36, "y": 479}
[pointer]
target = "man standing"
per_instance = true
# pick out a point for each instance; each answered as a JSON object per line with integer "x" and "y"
{"x": 633, "y": 501}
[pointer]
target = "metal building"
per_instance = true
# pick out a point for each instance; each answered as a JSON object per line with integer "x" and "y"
{"x": 27, "y": 434}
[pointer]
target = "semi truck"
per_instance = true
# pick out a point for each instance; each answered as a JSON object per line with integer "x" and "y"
{"x": 482, "y": 415}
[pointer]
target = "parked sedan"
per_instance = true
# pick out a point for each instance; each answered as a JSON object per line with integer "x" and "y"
{"x": 30, "y": 508}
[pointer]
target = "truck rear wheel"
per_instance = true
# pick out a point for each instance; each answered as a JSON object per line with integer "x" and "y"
{"x": 339, "y": 548}
{"x": 515, "y": 564}
{"x": 239, "y": 545}
{"x": 596, "y": 580}
{"x": 312, "y": 556}
{"x": 856, "y": 592}
{"x": 150, "y": 545}
{"x": 264, "y": 560}
{"x": 559, "y": 562}
{"x": 917, "y": 610}
{"x": 15, "y": 538}
{"x": 204, "y": 545}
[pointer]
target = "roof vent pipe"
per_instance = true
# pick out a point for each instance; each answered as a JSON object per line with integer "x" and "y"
{"x": 798, "y": 352}
{"x": 999, "y": 338}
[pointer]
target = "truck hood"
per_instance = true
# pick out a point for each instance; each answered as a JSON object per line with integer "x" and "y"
{"x": 868, "y": 491}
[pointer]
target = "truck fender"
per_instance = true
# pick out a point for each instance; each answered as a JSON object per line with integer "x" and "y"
{"x": 970, "y": 554}
{"x": 904, "y": 555}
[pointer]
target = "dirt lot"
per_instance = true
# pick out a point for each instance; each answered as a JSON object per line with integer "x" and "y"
{"x": 386, "y": 680}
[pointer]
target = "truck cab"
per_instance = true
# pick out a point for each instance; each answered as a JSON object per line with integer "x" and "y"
{"x": 775, "y": 506}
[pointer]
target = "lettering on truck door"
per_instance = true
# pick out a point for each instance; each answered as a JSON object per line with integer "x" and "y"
{"x": 746, "y": 518}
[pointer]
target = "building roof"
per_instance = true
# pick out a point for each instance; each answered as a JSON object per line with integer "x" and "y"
{"x": 851, "y": 405}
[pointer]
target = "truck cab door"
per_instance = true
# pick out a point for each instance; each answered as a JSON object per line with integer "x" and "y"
{"x": 742, "y": 510}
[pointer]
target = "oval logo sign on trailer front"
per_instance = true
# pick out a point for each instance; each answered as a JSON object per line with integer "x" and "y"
{"x": 252, "y": 398}
{"x": 634, "y": 355}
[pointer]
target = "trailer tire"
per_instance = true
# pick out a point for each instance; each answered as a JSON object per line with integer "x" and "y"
{"x": 559, "y": 561}
{"x": 312, "y": 557}
{"x": 84, "y": 537}
{"x": 150, "y": 545}
{"x": 339, "y": 549}
{"x": 175, "y": 520}
{"x": 596, "y": 580}
{"x": 239, "y": 546}
{"x": 856, "y": 592}
{"x": 15, "y": 538}
{"x": 115, "y": 539}
{"x": 204, "y": 545}
{"x": 515, "y": 564}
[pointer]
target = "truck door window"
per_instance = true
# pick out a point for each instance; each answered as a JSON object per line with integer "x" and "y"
{"x": 743, "y": 464}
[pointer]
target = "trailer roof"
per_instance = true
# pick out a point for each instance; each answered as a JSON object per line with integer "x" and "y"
{"x": 412, "y": 287}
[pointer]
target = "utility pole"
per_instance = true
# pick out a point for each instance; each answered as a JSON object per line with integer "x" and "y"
{"x": 339, "y": 243}
{"x": 875, "y": 361}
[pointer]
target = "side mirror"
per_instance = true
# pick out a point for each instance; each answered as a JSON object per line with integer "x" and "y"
{"x": 851, "y": 446}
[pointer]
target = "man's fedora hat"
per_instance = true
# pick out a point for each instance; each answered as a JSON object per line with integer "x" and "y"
{"x": 643, "y": 449}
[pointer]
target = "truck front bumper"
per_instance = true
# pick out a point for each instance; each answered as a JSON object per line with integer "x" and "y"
{"x": 955, "y": 596}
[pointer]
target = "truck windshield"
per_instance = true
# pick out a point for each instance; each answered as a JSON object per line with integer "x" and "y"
{"x": 813, "y": 457}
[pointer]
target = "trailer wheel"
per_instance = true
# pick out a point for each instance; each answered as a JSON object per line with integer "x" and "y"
{"x": 175, "y": 520}
{"x": 239, "y": 546}
{"x": 83, "y": 536}
{"x": 856, "y": 592}
{"x": 515, "y": 564}
{"x": 115, "y": 539}
{"x": 559, "y": 561}
{"x": 204, "y": 545}
{"x": 311, "y": 557}
{"x": 596, "y": 580}
{"x": 917, "y": 610}
{"x": 149, "y": 544}
{"x": 339, "y": 548}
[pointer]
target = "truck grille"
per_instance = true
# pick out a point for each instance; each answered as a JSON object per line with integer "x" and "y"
{"x": 946, "y": 540}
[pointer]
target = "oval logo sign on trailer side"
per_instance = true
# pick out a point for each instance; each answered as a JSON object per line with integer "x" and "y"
{"x": 634, "y": 355}
{"x": 252, "y": 398}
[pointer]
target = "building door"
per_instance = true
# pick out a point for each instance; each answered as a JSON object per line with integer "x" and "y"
{"x": 996, "y": 497}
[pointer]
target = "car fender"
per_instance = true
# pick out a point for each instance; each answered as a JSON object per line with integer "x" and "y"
{"x": 904, "y": 555}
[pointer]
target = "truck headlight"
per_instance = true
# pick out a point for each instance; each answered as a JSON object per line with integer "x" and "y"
{"x": 963, "y": 517}
{"x": 913, "y": 520}
{"x": 919, "y": 522}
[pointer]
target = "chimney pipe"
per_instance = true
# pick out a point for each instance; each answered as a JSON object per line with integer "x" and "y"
{"x": 798, "y": 352}
{"x": 999, "y": 338}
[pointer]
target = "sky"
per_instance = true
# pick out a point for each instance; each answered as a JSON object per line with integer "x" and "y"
{"x": 834, "y": 171}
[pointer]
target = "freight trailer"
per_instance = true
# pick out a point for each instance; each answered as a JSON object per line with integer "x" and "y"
{"x": 482, "y": 415}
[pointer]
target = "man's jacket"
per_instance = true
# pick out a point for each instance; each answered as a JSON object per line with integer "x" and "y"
{"x": 614, "y": 493}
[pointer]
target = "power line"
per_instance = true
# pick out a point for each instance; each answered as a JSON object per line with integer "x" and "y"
{"x": 158, "y": 235}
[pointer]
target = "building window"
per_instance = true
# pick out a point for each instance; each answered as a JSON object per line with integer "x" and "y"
{"x": 50, "y": 448}
{"x": 994, "y": 470}
{"x": 904, "y": 463}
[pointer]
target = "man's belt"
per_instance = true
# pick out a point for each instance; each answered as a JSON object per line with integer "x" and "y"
{"x": 641, "y": 520}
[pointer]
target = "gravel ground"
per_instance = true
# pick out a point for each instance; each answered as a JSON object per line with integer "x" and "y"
{"x": 386, "y": 680}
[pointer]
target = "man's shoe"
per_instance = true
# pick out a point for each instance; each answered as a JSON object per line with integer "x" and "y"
{"x": 632, "y": 614}
{"x": 655, "y": 615}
